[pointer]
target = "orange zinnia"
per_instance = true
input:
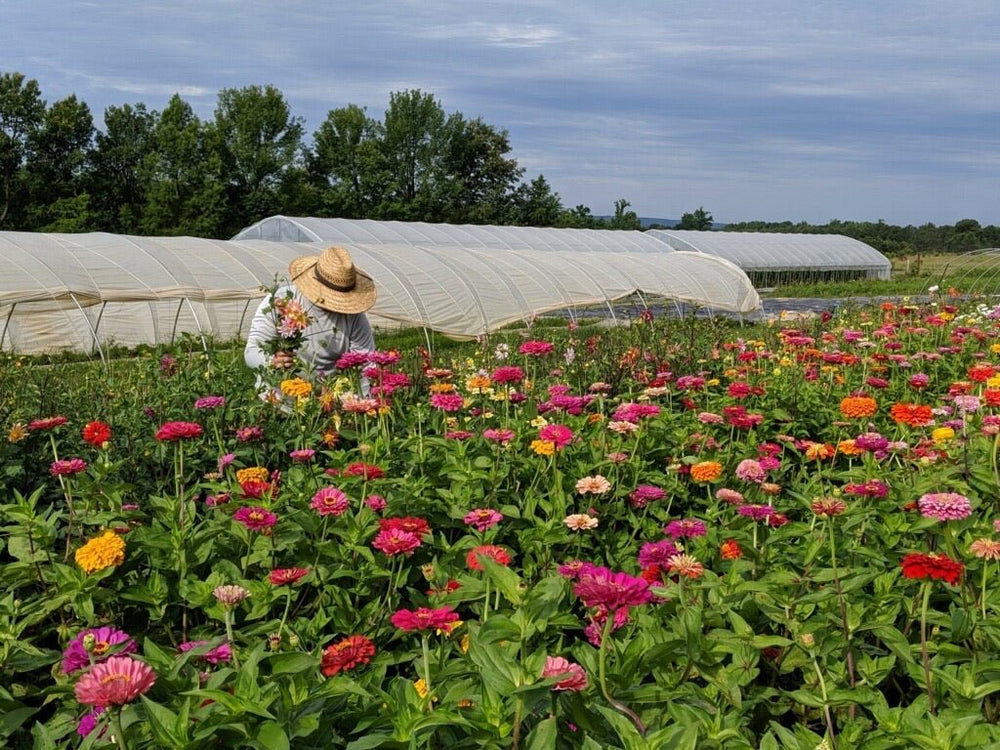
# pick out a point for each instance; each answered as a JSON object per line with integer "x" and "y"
{"x": 848, "y": 448}
{"x": 914, "y": 415}
{"x": 992, "y": 396}
{"x": 858, "y": 407}
{"x": 819, "y": 451}
{"x": 706, "y": 471}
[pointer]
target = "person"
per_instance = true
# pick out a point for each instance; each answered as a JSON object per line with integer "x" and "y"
{"x": 326, "y": 300}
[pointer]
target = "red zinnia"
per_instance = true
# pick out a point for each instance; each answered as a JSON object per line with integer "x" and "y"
{"x": 48, "y": 423}
{"x": 347, "y": 653}
{"x": 363, "y": 470}
{"x": 287, "y": 576}
{"x": 174, "y": 431}
{"x": 417, "y": 526}
{"x": 933, "y": 566}
{"x": 495, "y": 553}
{"x": 96, "y": 433}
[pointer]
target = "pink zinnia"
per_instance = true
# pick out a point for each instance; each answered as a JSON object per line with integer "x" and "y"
{"x": 727, "y": 495}
{"x": 103, "y": 643}
{"x": 557, "y": 434}
{"x": 750, "y": 470}
{"x": 396, "y": 541}
{"x": 47, "y": 423}
{"x": 447, "y": 401}
{"x": 329, "y": 501}
{"x": 348, "y": 360}
{"x": 482, "y": 519}
{"x": 210, "y": 402}
{"x": 442, "y": 618}
{"x": 634, "y": 412}
{"x": 287, "y": 576}
{"x": 376, "y": 502}
{"x": 685, "y": 527}
{"x": 302, "y": 455}
{"x": 944, "y": 506}
{"x": 217, "y": 655}
{"x": 571, "y": 676}
{"x": 507, "y": 374}
{"x": 536, "y": 348}
{"x": 601, "y": 587}
{"x": 67, "y": 467}
{"x": 174, "y": 431}
{"x": 119, "y": 680}
{"x": 502, "y": 435}
{"x": 595, "y": 485}
{"x": 756, "y": 512}
{"x": 645, "y": 493}
{"x": 255, "y": 518}
{"x": 249, "y": 434}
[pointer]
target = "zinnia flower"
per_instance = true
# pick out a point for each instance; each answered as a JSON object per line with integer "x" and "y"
{"x": 329, "y": 501}
{"x": 442, "y": 618}
{"x": 230, "y": 595}
{"x": 730, "y": 550}
{"x": 67, "y": 467}
{"x": 172, "y": 432}
{"x": 47, "y": 423}
{"x": 296, "y": 388}
{"x": 572, "y": 676}
{"x": 751, "y": 470}
{"x": 656, "y": 553}
{"x": 559, "y": 435}
{"x": 644, "y": 494}
{"x": 96, "y": 433}
{"x": 706, "y": 471}
{"x": 858, "y": 407}
{"x": 580, "y": 522}
{"x": 912, "y": 415}
{"x": 986, "y": 549}
{"x": 396, "y": 541}
{"x": 685, "y": 527}
{"x": 302, "y": 455}
{"x": 601, "y": 587}
{"x": 255, "y": 518}
{"x": 502, "y": 435}
{"x": 216, "y": 655}
{"x": 944, "y": 506}
{"x": 447, "y": 402}
{"x": 287, "y": 576}
{"x": 507, "y": 374}
{"x": 536, "y": 348}
{"x": 919, "y": 566}
{"x": 685, "y": 565}
{"x": 95, "y": 645}
{"x": 101, "y": 552}
{"x": 482, "y": 519}
{"x": 495, "y": 553}
{"x": 119, "y": 680}
{"x": 828, "y": 507}
{"x": 210, "y": 402}
{"x": 347, "y": 653}
{"x": 595, "y": 485}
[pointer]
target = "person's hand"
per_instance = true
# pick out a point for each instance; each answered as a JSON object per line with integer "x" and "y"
{"x": 283, "y": 360}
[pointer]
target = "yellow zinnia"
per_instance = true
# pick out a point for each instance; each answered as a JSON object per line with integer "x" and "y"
{"x": 543, "y": 447}
{"x": 296, "y": 387}
{"x": 252, "y": 474}
{"x": 942, "y": 435}
{"x": 101, "y": 552}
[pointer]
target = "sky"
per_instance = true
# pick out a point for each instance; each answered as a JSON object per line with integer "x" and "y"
{"x": 772, "y": 110}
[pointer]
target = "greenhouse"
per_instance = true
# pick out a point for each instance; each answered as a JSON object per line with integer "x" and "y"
{"x": 86, "y": 292}
{"x": 771, "y": 258}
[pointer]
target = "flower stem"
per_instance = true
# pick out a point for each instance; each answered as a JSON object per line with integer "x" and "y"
{"x": 425, "y": 647}
{"x": 116, "y": 726}
{"x": 602, "y": 659}
{"x": 826, "y": 703}
{"x": 925, "y": 657}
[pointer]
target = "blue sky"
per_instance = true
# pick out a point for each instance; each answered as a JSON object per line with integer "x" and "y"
{"x": 805, "y": 110}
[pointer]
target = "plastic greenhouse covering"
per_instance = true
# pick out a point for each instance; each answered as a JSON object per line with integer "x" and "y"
{"x": 84, "y": 292}
{"x": 820, "y": 255}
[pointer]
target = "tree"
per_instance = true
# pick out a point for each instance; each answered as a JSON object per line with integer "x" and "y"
{"x": 624, "y": 219}
{"x": 535, "y": 205}
{"x": 116, "y": 181}
{"x": 700, "y": 220}
{"x": 412, "y": 148}
{"x": 22, "y": 112}
{"x": 346, "y": 163}
{"x": 57, "y": 154}
{"x": 259, "y": 144}
{"x": 185, "y": 196}
{"x": 578, "y": 217}
{"x": 477, "y": 179}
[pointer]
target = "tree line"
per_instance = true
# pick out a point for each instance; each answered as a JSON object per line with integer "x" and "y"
{"x": 171, "y": 173}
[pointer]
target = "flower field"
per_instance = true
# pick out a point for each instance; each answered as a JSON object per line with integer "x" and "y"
{"x": 679, "y": 534}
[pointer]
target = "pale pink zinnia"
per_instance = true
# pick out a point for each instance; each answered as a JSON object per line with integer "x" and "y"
{"x": 572, "y": 676}
{"x": 685, "y": 565}
{"x": 986, "y": 549}
{"x": 482, "y": 519}
{"x": 593, "y": 485}
{"x": 622, "y": 427}
{"x": 580, "y": 522}
{"x": 119, "y": 680}
{"x": 750, "y": 470}
{"x": 944, "y": 506}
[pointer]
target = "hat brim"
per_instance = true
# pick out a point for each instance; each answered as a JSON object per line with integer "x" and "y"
{"x": 358, "y": 300}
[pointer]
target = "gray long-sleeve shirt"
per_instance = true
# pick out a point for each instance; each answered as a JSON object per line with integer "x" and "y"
{"x": 329, "y": 335}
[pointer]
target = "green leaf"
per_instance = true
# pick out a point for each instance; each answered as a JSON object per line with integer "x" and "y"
{"x": 543, "y": 736}
{"x": 292, "y": 663}
{"x": 272, "y": 737}
{"x": 162, "y": 722}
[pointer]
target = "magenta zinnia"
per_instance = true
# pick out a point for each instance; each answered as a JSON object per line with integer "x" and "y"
{"x": 255, "y": 518}
{"x": 119, "y": 680}
{"x": 442, "y": 618}
{"x": 602, "y": 587}
{"x": 95, "y": 645}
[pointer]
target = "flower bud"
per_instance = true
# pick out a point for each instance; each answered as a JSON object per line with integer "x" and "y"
{"x": 89, "y": 641}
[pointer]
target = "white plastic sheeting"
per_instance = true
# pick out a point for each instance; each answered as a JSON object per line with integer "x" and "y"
{"x": 777, "y": 251}
{"x": 86, "y": 291}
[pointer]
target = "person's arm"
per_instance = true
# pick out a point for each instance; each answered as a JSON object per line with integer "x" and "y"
{"x": 262, "y": 330}
{"x": 360, "y": 337}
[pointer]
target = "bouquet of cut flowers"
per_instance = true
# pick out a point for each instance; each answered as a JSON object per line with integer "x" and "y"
{"x": 290, "y": 320}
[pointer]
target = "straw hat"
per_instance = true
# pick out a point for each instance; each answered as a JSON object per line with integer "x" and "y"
{"x": 333, "y": 282}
